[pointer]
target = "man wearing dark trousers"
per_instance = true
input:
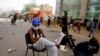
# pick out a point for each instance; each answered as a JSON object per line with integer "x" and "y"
{"x": 66, "y": 39}
{"x": 64, "y": 22}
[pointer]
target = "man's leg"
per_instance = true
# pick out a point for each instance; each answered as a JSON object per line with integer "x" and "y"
{"x": 89, "y": 34}
{"x": 63, "y": 41}
{"x": 72, "y": 42}
{"x": 92, "y": 33}
{"x": 73, "y": 28}
{"x": 66, "y": 40}
{"x": 52, "y": 49}
{"x": 47, "y": 42}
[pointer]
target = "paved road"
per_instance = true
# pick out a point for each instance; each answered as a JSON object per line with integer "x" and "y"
{"x": 84, "y": 33}
{"x": 13, "y": 37}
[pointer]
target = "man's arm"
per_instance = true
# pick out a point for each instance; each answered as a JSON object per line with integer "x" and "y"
{"x": 33, "y": 38}
{"x": 42, "y": 32}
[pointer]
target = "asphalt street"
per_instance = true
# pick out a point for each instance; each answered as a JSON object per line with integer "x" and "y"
{"x": 12, "y": 36}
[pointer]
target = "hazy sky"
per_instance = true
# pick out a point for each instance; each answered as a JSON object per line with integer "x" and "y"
{"x": 13, "y": 4}
{"x": 19, "y": 4}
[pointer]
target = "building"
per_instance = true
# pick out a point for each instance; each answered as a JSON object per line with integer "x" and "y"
{"x": 93, "y": 9}
{"x": 72, "y": 6}
{"x": 58, "y": 7}
{"x": 79, "y": 8}
{"x": 46, "y": 9}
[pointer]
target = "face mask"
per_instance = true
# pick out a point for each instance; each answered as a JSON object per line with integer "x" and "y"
{"x": 35, "y": 28}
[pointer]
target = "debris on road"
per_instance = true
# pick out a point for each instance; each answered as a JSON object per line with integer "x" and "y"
{"x": 11, "y": 50}
{"x": 13, "y": 34}
{"x": 1, "y": 37}
{"x": 6, "y": 30}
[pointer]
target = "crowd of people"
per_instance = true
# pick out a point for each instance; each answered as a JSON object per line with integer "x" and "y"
{"x": 76, "y": 24}
{"x": 86, "y": 48}
{"x": 37, "y": 35}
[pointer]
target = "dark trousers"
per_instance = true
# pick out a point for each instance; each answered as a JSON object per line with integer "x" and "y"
{"x": 13, "y": 22}
{"x": 99, "y": 27}
{"x": 68, "y": 40}
{"x": 65, "y": 29}
{"x": 79, "y": 53}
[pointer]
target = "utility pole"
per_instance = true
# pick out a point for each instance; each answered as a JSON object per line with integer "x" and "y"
{"x": 61, "y": 7}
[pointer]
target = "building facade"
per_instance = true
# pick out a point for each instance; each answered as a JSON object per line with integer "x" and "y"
{"x": 80, "y": 8}
{"x": 72, "y": 6}
{"x": 46, "y": 10}
{"x": 58, "y": 7}
{"x": 93, "y": 9}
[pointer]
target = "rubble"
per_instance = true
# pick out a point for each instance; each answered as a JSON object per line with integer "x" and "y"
{"x": 1, "y": 37}
{"x": 13, "y": 34}
{"x": 11, "y": 50}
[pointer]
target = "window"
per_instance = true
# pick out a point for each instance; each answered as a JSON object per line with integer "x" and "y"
{"x": 94, "y": 0}
{"x": 88, "y": 9}
{"x": 97, "y": 8}
{"x": 97, "y": 14}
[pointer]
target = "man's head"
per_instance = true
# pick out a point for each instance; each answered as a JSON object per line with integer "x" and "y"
{"x": 65, "y": 13}
{"x": 36, "y": 23}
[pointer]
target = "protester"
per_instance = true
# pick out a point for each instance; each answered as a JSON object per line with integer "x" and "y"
{"x": 48, "y": 22}
{"x": 64, "y": 23}
{"x": 78, "y": 26}
{"x": 66, "y": 38}
{"x": 72, "y": 24}
{"x": 87, "y": 48}
{"x": 58, "y": 19}
{"x": 39, "y": 39}
{"x": 92, "y": 29}
{"x": 13, "y": 20}
{"x": 26, "y": 18}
